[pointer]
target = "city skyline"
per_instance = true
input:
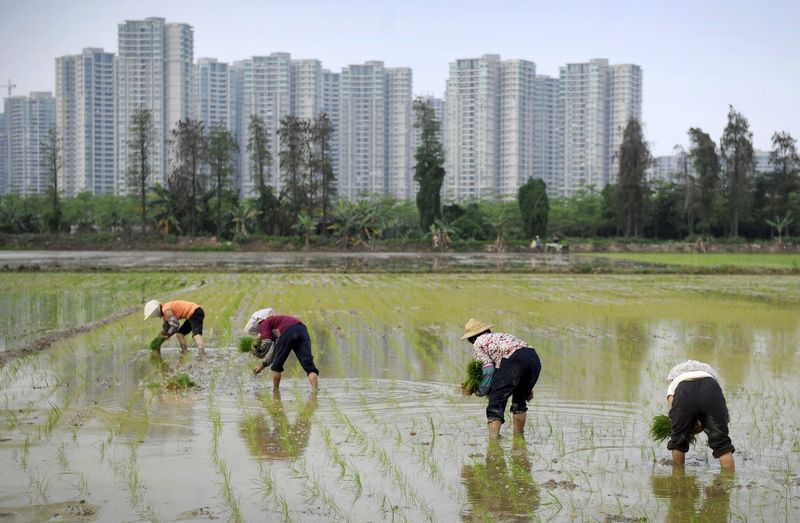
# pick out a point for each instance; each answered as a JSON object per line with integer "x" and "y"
{"x": 696, "y": 60}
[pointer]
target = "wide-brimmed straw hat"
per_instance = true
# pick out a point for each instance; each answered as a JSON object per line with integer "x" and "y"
{"x": 474, "y": 327}
{"x": 252, "y": 324}
{"x": 152, "y": 309}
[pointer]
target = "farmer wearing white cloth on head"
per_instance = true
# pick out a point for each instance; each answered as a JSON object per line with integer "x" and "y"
{"x": 697, "y": 403}
{"x": 278, "y": 335}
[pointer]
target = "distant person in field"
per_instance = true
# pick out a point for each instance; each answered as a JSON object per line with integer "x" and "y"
{"x": 174, "y": 311}
{"x": 278, "y": 335}
{"x": 511, "y": 368}
{"x": 697, "y": 404}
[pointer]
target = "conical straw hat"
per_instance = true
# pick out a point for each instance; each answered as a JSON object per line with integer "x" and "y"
{"x": 474, "y": 327}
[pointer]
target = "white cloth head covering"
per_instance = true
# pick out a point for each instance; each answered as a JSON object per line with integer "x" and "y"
{"x": 252, "y": 324}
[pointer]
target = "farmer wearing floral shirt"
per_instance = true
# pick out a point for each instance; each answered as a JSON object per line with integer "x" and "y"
{"x": 697, "y": 404}
{"x": 511, "y": 368}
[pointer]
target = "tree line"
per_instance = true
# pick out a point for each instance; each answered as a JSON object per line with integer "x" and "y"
{"x": 715, "y": 192}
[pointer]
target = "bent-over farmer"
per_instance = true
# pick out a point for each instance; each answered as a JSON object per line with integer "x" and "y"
{"x": 511, "y": 369}
{"x": 287, "y": 333}
{"x": 174, "y": 311}
{"x": 697, "y": 404}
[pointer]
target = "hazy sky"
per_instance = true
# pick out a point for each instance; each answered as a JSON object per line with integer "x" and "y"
{"x": 698, "y": 56}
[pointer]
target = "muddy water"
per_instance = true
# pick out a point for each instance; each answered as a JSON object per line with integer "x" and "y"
{"x": 86, "y": 432}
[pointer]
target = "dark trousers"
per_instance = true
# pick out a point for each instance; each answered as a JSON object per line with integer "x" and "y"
{"x": 294, "y": 339}
{"x": 699, "y": 400}
{"x": 194, "y": 323}
{"x": 515, "y": 379}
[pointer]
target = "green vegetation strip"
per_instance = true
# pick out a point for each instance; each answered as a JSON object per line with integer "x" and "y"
{"x": 706, "y": 260}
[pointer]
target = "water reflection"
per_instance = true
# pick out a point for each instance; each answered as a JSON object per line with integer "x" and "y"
{"x": 499, "y": 490}
{"x": 690, "y": 501}
{"x": 273, "y": 436}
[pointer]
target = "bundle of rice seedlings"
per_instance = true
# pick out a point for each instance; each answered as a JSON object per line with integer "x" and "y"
{"x": 156, "y": 343}
{"x": 474, "y": 375}
{"x": 246, "y": 344}
{"x": 660, "y": 428}
{"x": 179, "y": 382}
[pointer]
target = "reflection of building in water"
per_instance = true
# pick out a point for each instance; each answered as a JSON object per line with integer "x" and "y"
{"x": 275, "y": 437}
{"x": 690, "y": 502}
{"x": 499, "y": 490}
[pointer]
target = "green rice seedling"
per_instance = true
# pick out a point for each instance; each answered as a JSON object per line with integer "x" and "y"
{"x": 179, "y": 382}
{"x": 265, "y": 483}
{"x": 156, "y": 343}
{"x": 62, "y": 456}
{"x": 473, "y": 381}
{"x": 246, "y": 344}
{"x": 660, "y": 428}
{"x": 39, "y": 483}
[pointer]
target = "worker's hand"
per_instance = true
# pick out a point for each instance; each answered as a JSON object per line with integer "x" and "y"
{"x": 698, "y": 427}
{"x": 258, "y": 368}
{"x": 163, "y": 335}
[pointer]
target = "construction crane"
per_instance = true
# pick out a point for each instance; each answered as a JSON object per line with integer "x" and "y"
{"x": 10, "y": 86}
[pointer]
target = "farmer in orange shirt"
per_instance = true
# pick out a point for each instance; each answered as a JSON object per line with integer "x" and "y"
{"x": 172, "y": 312}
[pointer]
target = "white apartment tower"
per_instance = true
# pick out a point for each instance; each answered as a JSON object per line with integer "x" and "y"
{"x": 362, "y": 133}
{"x": 625, "y": 103}
{"x": 3, "y": 154}
{"x": 489, "y": 127}
{"x": 153, "y": 70}
{"x": 584, "y": 89}
{"x": 28, "y": 120}
{"x": 548, "y": 134}
{"x": 471, "y": 121}
{"x": 211, "y": 93}
{"x": 331, "y": 105}
{"x": 599, "y": 99}
{"x": 516, "y": 126}
{"x": 306, "y": 88}
{"x": 263, "y": 84}
{"x": 84, "y": 105}
{"x": 399, "y": 132}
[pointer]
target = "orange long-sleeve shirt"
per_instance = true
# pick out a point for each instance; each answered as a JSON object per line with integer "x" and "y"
{"x": 180, "y": 308}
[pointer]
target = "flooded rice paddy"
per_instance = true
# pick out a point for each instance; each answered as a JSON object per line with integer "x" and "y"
{"x": 88, "y": 433}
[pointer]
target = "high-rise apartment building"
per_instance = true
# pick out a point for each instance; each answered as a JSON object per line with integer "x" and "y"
{"x": 3, "y": 154}
{"x": 306, "y": 88}
{"x": 362, "y": 133}
{"x": 625, "y": 103}
{"x": 489, "y": 127}
{"x": 599, "y": 99}
{"x": 548, "y": 134}
{"x": 471, "y": 128}
{"x": 153, "y": 71}
{"x": 84, "y": 105}
{"x": 399, "y": 132}
{"x": 332, "y": 106}
{"x": 211, "y": 93}
{"x": 517, "y": 100}
{"x": 584, "y": 89}
{"x": 28, "y": 121}
{"x": 263, "y": 84}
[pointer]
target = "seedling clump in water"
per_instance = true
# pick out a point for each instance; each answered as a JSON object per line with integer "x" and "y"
{"x": 473, "y": 382}
{"x": 179, "y": 382}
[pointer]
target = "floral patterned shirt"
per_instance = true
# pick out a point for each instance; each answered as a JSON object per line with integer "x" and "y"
{"x": 491, "y": 348}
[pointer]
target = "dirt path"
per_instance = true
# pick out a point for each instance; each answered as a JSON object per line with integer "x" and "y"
{"x": 44, "y": 342}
